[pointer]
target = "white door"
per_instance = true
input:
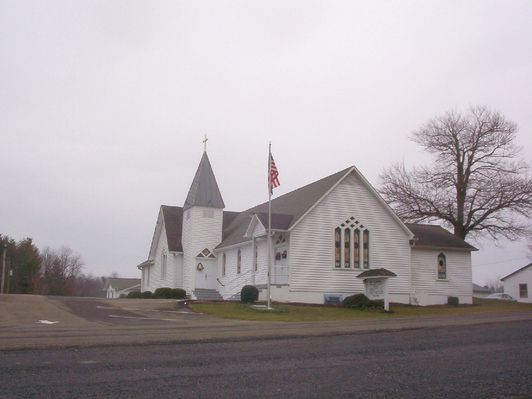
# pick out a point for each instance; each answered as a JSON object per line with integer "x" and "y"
{"x": 280, "y": 266}
{"x": 206, "y": 274}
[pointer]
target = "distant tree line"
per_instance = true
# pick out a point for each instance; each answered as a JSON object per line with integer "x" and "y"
{"x": 48, "y": 272}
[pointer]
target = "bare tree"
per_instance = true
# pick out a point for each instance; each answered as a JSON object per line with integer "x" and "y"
{"x": 495, "y": 285}
{"x": 60, "y": 268}
{"x": 476, "y": 185}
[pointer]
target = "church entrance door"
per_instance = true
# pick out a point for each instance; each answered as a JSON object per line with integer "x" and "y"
{"x": 206, "y": 273}
{"x": 280, "y": 266}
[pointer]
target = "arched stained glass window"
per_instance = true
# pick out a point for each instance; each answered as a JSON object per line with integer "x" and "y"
{"x": 347, "y": 248}
{"x": 239, "y": 262}
{"x": 351, "y": 245}
{"x": 356, "y": 248}
{"x": 442, "y": 267}
{"x": 365, "y": 243}
{"x": 224, "y": 261}
{"x": 337, "y": 247}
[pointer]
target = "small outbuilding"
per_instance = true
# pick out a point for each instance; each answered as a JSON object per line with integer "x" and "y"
{"x": 115, "y": 287}
{"x": 517, "y": 284}
{"x": 481, "y": 292}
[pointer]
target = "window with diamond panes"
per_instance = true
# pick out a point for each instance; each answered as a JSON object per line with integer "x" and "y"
{"x": 351, "y": 245}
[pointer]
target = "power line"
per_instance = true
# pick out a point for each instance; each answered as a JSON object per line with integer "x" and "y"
{"x": 500, "y": 261}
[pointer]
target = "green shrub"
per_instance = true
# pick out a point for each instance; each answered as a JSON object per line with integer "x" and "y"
{"x": 134, "y": 294}
{"x": 169, "y": 293}
{"x": 361, "y": 302}
{"x": 453, "y": 301}
{"x": 249, "y": 294}
{"x": 146, "y": 295}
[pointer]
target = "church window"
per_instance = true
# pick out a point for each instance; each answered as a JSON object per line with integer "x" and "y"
{"x": 278, "y": 255}
{"x": 224, "y": 260}
{"x": 356, "y": 248}
{"x": 347, "y": 248}
{"x": 284, "y": 255}
{"x": 337, "y": 247}
{"x": 442, "y": 267}
{"x": 148, "y": 275}
{"x": 256, "y": 260}
{"x": 239, "y": 261}
{"x": 351, "y": 245}
{"x": 365, "y": 247}
{"x": 206, "y": 254}
{"x": 163, "y": 264}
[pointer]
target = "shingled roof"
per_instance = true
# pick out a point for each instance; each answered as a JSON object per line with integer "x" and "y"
{"x": 428, "y": 235}
{"x": 291, "y": 205}
{"x": 173, "y": 222}
{"x": 204, "y": 189}
{"x": 287, "y": 208}
{"x": 121, "y": 283}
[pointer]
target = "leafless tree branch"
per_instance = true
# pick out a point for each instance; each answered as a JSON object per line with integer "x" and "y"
{"x": 476, "y": 185}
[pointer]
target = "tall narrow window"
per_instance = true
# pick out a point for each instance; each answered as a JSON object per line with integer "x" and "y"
{"x": 365, "y": 243}
{"x": 148, "y": 275}
{"x": 442, "y": 267}
{"x": 224, "y": 260}
{"x": 337, "y": 247}
{"x": 347, "y": 248}
{"x": 256, "y": 260}
{"x": 163, "y": 265}
{"x": 356, "y": 249}
{"x": 239, "y": 261}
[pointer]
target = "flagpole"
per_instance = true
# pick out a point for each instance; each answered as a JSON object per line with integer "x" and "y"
{"x": 269, "y": 224}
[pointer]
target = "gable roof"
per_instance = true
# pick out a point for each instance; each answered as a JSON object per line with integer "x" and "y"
{"x": 288, "y": 208}
{"x": 204, "y": 189}
{"x": 121, "y": 283}
{"x": 517, "y": 271}
{"x": 173, "y": 222}
{"x": 429, "y": 235}
{"x": 478, "y": 288}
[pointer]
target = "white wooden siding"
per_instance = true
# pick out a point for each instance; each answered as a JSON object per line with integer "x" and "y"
{"x": 511, "y": 284}
{"x": 233, "y": 281}
{"x": 311, "y": 251}
{"x": 199, "y": 232}
{"x": 428, "y": 289}
{"x": 173, "y": 277}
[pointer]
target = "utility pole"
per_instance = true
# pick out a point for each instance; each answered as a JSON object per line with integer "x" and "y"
{"x": 3, "y": 268}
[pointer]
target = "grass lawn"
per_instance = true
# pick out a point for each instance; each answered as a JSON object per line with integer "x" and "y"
{"x": 287, "y": 312}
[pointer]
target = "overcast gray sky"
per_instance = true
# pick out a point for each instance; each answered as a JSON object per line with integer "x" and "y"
{"x": 103, "y": 104}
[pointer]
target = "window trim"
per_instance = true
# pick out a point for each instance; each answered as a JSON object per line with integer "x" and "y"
{"x": 441, "y": 255}
{"x": 224, "y": 263}
{"x": 521, "y": 285}
{"x": 351, "y": 232}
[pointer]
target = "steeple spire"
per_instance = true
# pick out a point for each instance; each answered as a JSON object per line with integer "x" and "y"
{"x": 204, "y": 188}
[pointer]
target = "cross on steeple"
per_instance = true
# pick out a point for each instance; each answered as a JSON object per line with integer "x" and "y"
{"x": 205, "y": 143}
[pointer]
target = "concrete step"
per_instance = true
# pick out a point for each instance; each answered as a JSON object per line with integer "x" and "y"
{"x": 207, "y": 294}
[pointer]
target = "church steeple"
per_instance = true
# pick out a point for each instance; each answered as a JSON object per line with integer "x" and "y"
{"x": 204, "y": 189}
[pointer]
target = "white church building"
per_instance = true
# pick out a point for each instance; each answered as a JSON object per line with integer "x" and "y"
{"x": 324, "y": 235}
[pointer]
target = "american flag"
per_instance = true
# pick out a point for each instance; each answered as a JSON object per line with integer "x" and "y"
{"x": 273, "y": 178}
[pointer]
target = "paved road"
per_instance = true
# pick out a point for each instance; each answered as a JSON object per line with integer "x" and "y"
{"x": 483, "y": 361}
